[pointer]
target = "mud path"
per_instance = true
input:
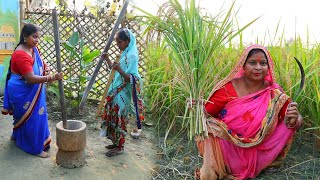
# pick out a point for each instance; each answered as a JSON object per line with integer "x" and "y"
{"x": 135, "y": 163}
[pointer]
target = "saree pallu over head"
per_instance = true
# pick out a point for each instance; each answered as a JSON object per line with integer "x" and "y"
{"x": 250, "y": 136}
{"x": 27, "y": 102}
{"x": 247, "y": 120}
{"x": 128, "y": 62}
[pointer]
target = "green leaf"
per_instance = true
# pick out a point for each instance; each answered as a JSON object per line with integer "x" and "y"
{"x": 88, "y": 77}
{"x": 81, "y": 43}
{"x": 85, "y": 51}
{"x": 74, "y": 103}
{"x": 89, "y": 57}
{"x": 83, "y": 78}
{"x": 72, "y": 81}
{"x": 68, "y": 46}
{"x": 48, "y": 38}
{"x": 26, "y": 21}
{"x": 53, "y": 90}
{"x": 74, "y": 39}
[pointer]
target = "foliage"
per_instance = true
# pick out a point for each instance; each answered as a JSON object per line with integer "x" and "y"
{"x": 191, "y": 40}
{"x": 76, "y": 83}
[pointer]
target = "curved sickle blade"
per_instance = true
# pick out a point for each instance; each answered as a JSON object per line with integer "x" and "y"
{"x": 111, "y": 37}
{"x": 303, "y": 78}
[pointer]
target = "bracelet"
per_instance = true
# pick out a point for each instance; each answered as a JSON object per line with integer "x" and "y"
{"x": 53, "y": 77}
{"x": 47, "y": 78}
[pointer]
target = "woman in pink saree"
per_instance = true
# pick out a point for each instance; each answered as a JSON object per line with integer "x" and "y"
{"x": 251, "y": 121}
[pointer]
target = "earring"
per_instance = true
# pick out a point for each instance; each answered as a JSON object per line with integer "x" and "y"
{"x": 24, "y": 40}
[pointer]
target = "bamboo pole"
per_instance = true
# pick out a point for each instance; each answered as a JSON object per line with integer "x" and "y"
{"x": 22, "y": 13}
{"x": 98, "y": 114}
{"x": 58, "y": 56}
{"x": 95, "y": 73}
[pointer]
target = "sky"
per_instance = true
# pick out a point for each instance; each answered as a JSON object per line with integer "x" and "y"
{"x": 295, "y": 17}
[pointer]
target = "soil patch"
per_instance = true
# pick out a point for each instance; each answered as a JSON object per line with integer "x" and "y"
{"x": 135, "y": 163}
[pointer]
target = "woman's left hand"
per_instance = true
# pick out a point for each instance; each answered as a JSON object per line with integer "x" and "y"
{"x": 293, "y": 119}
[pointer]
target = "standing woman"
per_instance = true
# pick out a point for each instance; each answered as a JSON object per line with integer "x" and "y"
{"x": 25, "y": 96}
{"x": 123, "y": 91}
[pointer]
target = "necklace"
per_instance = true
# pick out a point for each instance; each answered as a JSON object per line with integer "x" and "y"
{"x": 246, "y": 85}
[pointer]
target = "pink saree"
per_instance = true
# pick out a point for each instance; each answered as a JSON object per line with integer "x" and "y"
{"x": 248, "y": 136}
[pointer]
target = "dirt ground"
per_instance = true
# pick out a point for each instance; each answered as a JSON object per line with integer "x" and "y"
{"x": 141, "y": 159}
{"x": 135, "y": 163}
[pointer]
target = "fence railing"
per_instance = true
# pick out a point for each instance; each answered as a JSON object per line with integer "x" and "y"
{"x": 94, "y": 31}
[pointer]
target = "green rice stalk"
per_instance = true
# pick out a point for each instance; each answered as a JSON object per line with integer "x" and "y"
{"x": 192, "y": 40}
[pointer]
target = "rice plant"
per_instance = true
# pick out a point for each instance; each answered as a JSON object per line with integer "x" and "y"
{"x": 192, "y": 42}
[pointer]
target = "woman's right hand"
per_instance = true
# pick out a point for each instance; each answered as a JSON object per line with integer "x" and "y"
{"x": 105, "y": 56}
{"x": 58, "y": 76}
{"x": 293, "y": 119}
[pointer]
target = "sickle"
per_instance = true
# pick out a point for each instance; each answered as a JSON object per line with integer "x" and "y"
{"x": 303, "y": 78}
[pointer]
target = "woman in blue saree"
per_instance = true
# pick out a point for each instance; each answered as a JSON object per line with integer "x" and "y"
{"x": 123, "y": 92}
{"x": 25, "y": 96}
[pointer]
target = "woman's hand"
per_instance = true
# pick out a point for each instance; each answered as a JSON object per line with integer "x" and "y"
{"x": 116, "y": 66}
{"x": 105, "y": 56}
{"x": 58, "y": 76}
{"x": 293, "y": 119}
{"x": 192, "y": 102}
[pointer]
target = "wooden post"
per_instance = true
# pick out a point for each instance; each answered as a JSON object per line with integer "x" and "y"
{"x": 22, "y": 13}
{"x": 58, "y": 56}
{"x": 96, "y": 70}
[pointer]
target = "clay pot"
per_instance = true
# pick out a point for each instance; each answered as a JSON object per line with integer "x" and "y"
{"x": 71, "y": 143}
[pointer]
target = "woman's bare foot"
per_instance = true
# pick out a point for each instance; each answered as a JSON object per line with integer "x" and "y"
{"x": 43, "y": 155}
{"x": 136, "y": 133}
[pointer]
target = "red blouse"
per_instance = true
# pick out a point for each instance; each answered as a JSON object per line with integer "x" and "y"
{"x": 21, "y": 62}
{"x": 226, "y": 94}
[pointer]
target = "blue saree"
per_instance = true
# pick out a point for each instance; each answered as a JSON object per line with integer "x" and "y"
{"x": 27, "y": 103}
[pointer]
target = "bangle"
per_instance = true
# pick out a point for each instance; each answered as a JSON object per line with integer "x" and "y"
{"x": 53, "y": 78}
{"x": 47, "y": 78}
